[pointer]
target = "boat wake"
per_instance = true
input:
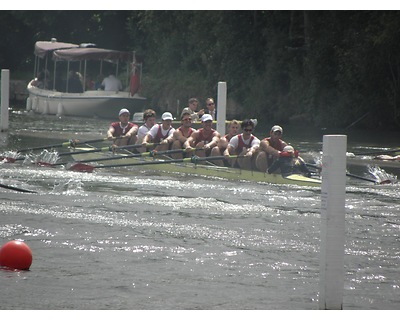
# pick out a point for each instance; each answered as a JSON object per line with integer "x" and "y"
{"x": 381, "y": 175}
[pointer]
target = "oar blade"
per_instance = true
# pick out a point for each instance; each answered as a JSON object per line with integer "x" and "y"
{"x": 81, "y": 167}
{"x": 44, "y": 164}
{"x": 8, "y": 159}
{"x": 347, "y": 174}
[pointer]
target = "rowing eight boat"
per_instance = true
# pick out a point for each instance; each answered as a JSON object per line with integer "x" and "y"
{"x": 200, "y": 170}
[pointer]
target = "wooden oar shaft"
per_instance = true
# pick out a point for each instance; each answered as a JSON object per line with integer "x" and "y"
{"x": 63, "y": 144}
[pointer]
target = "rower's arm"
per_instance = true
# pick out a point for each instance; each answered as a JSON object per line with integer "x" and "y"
{"x": 188, "y": 144}
{"x": 110, "y": 133}
{"x": 264, "y": 146}
{"x": 214, "y": 141}
{"x": 133, "y": 131}
{"x": 147, "y": 138}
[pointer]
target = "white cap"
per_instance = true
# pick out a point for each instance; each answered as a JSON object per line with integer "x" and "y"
{"x": 167, "y": 116}
{"x": 206, "y": 117}
{"x": 277, "y": 128}
{"x": 288, "y": 149}
{"x": 123, "y": 111}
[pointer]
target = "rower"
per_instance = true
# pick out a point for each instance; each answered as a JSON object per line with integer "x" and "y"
{"x": 270, "y": 148}
{"x": 182, "y": 134}
{"x": 233, "y": 130}
{"x": 123, "y": 129}
{"x": 149, "y": 119}
{"x": 244, "y": 145}
{"x": 204, "y": 139}
{"x": 288, "y": 163}
{"x": 161, "y": 133}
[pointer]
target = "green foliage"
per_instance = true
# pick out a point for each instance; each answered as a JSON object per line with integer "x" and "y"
{"x": 328, "y": 68}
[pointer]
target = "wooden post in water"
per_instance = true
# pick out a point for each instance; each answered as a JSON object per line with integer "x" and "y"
{"x": 333, "y": 194}
{"x": 5, "y": 97}
{"x": 221, "y": 108}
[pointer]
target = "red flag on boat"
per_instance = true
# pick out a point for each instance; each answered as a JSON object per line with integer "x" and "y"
{"x": 135, "y": 80}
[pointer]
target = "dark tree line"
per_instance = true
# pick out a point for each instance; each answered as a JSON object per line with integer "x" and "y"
{"x": 325, "y": 68}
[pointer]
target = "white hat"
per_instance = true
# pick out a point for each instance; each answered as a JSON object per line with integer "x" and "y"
{"x": 277, "y": 128}
{"x": 167, "y": 116}
{"x": 206, "y": 117}
{"x": 123, "y": 111}
{"x": 288, "y": 149}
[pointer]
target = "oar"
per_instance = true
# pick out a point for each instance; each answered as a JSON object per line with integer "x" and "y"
{"x": 372, "y": 153}
{"x": 366, "y": 179}
{"x": 353, "y": 175}
{"x": 152, "y": 153}
{"x": 72, "y": 142}
{"x": 16, "y": 189}
{"x": 10, "y": 159}
{"x": 109, "y": 148}
{"x": 195, "y": 159}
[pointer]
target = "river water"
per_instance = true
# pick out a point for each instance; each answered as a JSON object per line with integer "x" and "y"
{"x": 136, "y": 240}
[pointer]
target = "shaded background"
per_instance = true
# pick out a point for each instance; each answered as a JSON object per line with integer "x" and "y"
{"x": 324, "y": 68}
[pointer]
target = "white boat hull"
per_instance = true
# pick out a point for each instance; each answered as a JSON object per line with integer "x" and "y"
{"x": 96, "y": 103}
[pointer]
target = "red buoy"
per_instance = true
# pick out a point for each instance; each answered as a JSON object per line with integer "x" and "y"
{"x": 16, "y": 255}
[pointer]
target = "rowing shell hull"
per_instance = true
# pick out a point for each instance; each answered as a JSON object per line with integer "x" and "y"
{"x": 201, "y": 170}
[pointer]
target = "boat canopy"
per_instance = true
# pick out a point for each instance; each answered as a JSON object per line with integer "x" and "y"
{"x": 78, "y": 54}
{"x": 44, "y": 47}
{"x": 84, "y": 52}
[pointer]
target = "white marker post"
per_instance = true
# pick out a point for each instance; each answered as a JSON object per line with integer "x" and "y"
{"x": 221, "y": 108}
{"x": 5, "y": 96}
{"x": 333, "y": 194}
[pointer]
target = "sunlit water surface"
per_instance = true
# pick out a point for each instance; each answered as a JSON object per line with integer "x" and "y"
{"x": 140, "y": 240}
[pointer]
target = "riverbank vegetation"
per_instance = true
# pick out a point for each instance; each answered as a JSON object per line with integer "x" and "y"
{"x": 325, "y": 68}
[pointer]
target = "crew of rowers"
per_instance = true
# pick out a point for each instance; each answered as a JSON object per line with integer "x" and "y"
{"x": 241, "y": 150}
